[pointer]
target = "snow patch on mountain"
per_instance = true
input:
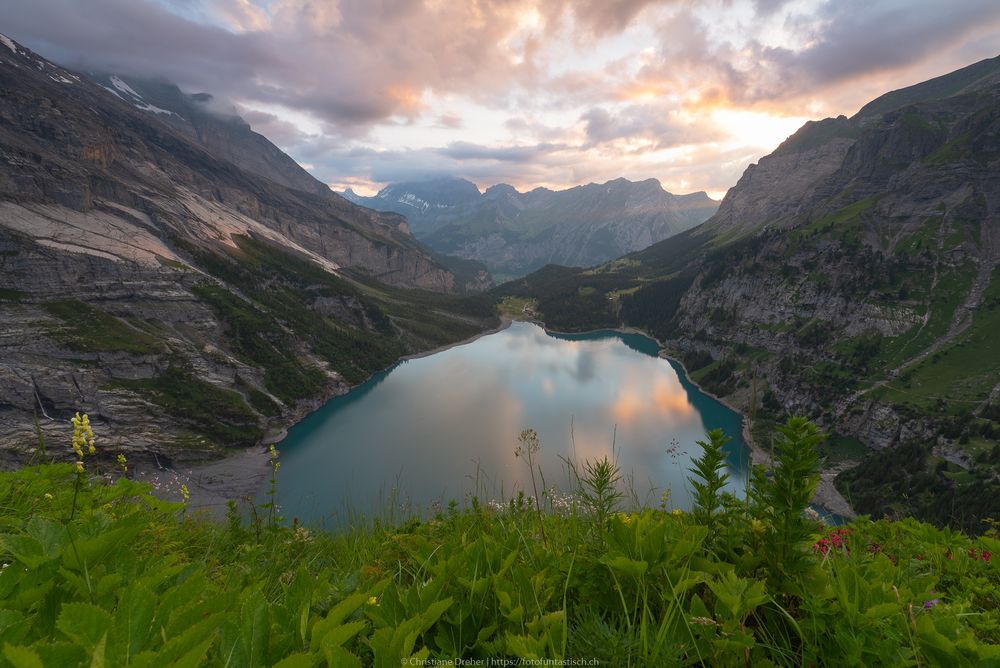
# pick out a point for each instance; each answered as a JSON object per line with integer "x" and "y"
{"x": 9, "y": 43}
{"x": 123, "y": 87}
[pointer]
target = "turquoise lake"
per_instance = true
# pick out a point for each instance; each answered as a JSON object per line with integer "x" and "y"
{"x": 445, "y": 427}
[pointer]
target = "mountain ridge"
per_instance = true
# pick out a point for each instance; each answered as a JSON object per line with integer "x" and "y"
{"x": 851, "y": 275}
{"x": 177, "y": 296}
{"x": 514, "y": 232}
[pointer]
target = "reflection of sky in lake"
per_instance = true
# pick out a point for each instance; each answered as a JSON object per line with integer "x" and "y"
{"x": 432, "y": 426}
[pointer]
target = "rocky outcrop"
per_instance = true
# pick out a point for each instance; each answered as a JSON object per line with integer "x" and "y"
{"x": 860, "y": 249}
{"x": 180, "y": 279}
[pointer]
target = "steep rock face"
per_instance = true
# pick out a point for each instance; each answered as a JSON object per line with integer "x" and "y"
{"x": 68, "y": 141}
{"x": 514, "y": 233}
{"x": 780, "y": 187}
{"x": 901, "y": 238}
{"x": 852, "y": 276}
{"x": 186, "y": 302}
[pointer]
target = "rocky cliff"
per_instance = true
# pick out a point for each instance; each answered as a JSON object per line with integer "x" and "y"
{"x": 514, "y": 233}
{"x": 850, "y": 276}
{"x": 179, "y": 279}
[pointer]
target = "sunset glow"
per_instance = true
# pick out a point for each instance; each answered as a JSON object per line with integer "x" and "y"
{"x": 529, "y": 92}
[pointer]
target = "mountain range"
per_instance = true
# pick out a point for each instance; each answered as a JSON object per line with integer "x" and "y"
{"x": 851, "y": 276}
{"x": 514, "y": 233}
{"x": 176, "y": 276}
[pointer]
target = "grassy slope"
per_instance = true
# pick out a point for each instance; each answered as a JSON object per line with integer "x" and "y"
{"x": 103, "y": 574}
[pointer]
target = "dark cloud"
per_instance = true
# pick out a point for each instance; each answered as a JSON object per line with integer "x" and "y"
{"x": 356, "y": 62}
{"x": 860, "y": 36}
{"x": 275, "y": 128}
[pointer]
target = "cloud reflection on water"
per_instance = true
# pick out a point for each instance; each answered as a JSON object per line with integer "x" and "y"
{"x": 428, "y": 426}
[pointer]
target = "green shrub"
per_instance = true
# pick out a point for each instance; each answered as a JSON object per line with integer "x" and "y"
{"x": 130, "y": 580}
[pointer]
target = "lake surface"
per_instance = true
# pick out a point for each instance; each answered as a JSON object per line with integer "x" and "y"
{"x": 445, "y": 426}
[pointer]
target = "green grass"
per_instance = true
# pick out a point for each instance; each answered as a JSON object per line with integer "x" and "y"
{"x": 840, "y": 219}
{"x": 220, "y": 414}
{"x": 952, "y": 287}
{"x": 923, "y": 239}
{"x": 840, "y": 448}
{"x": 105, "y": 574}
{"x": 86, "y": 328}
{"x": 963, "y": 373}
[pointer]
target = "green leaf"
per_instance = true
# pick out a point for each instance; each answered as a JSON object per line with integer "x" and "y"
{"x": 83, "y": 623}
{"x": 195, "y": 657}
{"x": 98, "y": 659}
{"x": 882, "y": 610}
{"x": 335, "y": 617}
{"x": 61, "y": 654}
{"x": 22, "y": 657}
{"x": 256, "y": 627}
{"x": 23, "y": 548}
{"x": 627, "y": 566}
{"x": 133, "y": 623}
{"x": 338, "y": 657}
{"x": 198, "y": 635}
{"x": 339, "y": 635}
{"x": 51, "y": 536}
{"x": 296, "y": 661}
{"x": 89, "y": 551}
{"x": 13, "y": 626}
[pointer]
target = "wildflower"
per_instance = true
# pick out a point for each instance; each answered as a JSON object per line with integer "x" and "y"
{"x": 79, "y": 467}
{"x": 372, "y": 600}
{"x": 758, "y": 526}
{"x": 121, "y": 462}
{"x": 185, "y": 494}
{"x": 677, "y": 512}
{"x": 930, "y": 604}
{"x": 48, "y": 497}
{"x": 529, "y": 443}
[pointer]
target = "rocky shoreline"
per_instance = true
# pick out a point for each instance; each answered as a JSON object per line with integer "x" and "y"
{"x": 827, "y": 496}
{"x": 242, "y": 475}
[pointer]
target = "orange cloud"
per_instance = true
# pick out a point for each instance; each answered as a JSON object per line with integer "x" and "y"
{"x": 671, "y": 398}
{"x": 627, "y": 407}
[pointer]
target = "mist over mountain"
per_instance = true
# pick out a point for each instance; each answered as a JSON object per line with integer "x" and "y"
{"x": 514, "y": 233}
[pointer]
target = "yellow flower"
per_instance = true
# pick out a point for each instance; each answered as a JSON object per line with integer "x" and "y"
{"x": 677, "y": 512}
{"x": 83, "y": 435}
{"x": 757, "y": 525}
{"x": 48, "y": 497}
{"x": 79, "y": 466}
{"x": 184, "y": 493}
{"x": 372, "y": 600}
{"x": 121, "y": 462}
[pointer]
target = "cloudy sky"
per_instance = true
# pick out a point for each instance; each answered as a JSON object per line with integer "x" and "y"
{"x": 528, "y": 92}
